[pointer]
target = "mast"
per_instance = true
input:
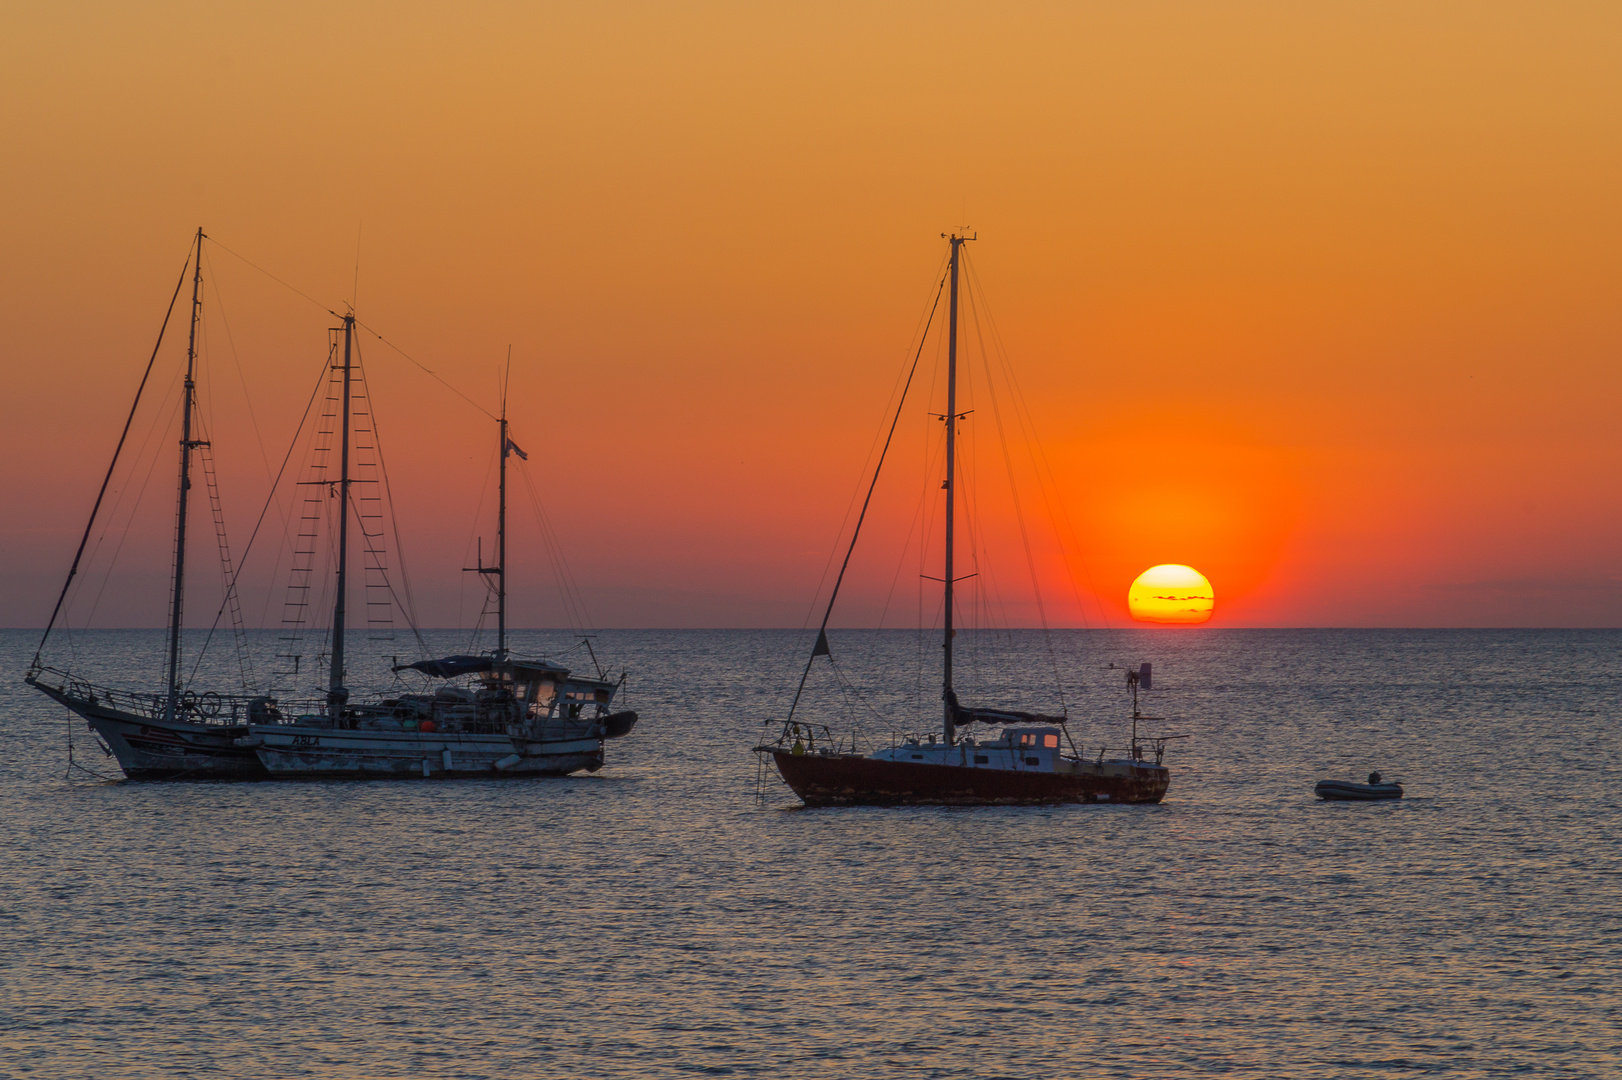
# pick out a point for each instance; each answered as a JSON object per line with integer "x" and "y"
{"x": 950, "y": 485}
{"x": 499, "y": 571}
{"x": 501, "y": 540}
{"x": 187, "y": 444}
{"x": 336, "y": 694}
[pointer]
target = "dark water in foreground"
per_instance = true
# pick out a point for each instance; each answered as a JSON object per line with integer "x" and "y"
{"x": 654, "y": 920}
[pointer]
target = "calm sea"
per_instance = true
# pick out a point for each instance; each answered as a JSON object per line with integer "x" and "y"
{"x": 657, "y": 919}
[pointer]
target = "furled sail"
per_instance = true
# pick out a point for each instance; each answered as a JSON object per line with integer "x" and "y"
{"x": 964, "y": 715}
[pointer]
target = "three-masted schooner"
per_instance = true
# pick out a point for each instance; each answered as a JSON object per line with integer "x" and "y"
{"x": 513, "y": 717}
{"x": 1025, "y": 763}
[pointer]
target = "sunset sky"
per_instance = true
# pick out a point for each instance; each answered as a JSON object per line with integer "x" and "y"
{"x": 1323, "y": 300}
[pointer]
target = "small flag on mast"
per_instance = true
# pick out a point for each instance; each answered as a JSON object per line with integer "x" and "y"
{"x": 513, "y": 448}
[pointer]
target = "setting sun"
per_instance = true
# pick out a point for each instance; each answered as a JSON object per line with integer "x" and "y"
{"x": 1171, "y": 593}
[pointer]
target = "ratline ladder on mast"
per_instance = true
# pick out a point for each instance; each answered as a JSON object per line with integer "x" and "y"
{"x": 512, "y": 718}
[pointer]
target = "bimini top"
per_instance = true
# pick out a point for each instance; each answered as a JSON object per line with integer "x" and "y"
{"x": 525, "y": 670}
{"x": 448, "y": 667}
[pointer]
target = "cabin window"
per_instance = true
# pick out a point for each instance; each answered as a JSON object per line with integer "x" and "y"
{"x": 1050, "y": 740}
{"x": 917, "y": 757}
{"x": 1033, "y": 761}
{"x": 981, "y": 759}
{"x": 541, "y": 696}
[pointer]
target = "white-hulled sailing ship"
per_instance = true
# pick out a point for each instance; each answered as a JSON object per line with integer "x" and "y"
{"x": 1025, "y": 762}
{"x": 506, "y": 716}
{"x": 490, "y": 715}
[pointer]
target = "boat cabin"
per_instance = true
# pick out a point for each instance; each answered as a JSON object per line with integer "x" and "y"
{"x": 1028, "y": 747}
{"x": 546, "y": 690}
{"x": 1024, "y": 749}
{"x": 1034, "y": 738}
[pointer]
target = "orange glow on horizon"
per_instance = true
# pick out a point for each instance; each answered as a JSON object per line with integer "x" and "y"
{"x": 1171, "y": 593}
{"x": 1317, "y": 298}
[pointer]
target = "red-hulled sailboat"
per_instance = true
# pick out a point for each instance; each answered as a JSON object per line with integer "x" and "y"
{"x": 1026, "y": 762}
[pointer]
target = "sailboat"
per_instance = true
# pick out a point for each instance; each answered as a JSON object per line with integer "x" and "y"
{"x": 174, "y": 733}
{"x": 1024, "y": 763}
{"x": 519, "y": 717}
{"x": 515, "y": 717}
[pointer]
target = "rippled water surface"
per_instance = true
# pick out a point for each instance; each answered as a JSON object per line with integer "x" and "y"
{"x": 655, "y": 919}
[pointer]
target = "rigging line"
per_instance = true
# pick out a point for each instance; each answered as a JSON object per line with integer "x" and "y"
{"x": 197, "y": 661}
{"x": 906, "y": 549}
{"x": 129, "y": 523}
{"x": 468, "y": 548}
{"x": 574, "y": 601}
{"x": 568, "y": 586}
{"x": 274, "y": 278}
{"x": 427, "y": 369}
{"x": 409, "y": 608}
{"x": 918, "y": 526}
{"x": 270, "y": 499}
{"x": 159, "y": 428}
{"x": 921, "y": 330}
{"x": 1036, "y": 450}
{"x": 228, "y": 573}
{"x": 849, "y": 696}
{"x": 848, "y": 690}
{"x": 161, "y": 423}
{"x": 91, "y": 524}
{"x": 877, "y": 470}
{"x": 389, "y": 584}
{"x": 296, "y": 504}
{"x": 1019, "y": 506}
{"x": 562, "y": 579}
{"x": 242, "y": 378}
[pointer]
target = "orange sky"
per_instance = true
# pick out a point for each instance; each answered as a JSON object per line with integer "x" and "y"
{"x": 1320, "y": 299}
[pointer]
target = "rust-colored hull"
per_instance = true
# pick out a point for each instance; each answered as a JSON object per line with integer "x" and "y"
{"x": 853, "y": 780}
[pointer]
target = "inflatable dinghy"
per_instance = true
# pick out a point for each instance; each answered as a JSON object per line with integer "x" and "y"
{"x": 1345, "y": 791}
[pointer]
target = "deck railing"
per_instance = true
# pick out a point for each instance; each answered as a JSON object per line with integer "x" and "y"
{"x": 205, "y": 708}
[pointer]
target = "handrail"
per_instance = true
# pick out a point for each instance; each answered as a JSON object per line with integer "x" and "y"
{"x": 206, "y": 708}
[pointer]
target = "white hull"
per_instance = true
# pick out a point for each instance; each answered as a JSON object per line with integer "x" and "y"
{"x": 149, "y": 746}
{"x": 298, "y": 750}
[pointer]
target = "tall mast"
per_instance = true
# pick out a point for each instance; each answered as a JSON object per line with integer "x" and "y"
{"x": 501, "y": 536}
{"x": 336, "y": 694}
{"x": 187, "y": 444}
{"x": 951, "y": 487}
